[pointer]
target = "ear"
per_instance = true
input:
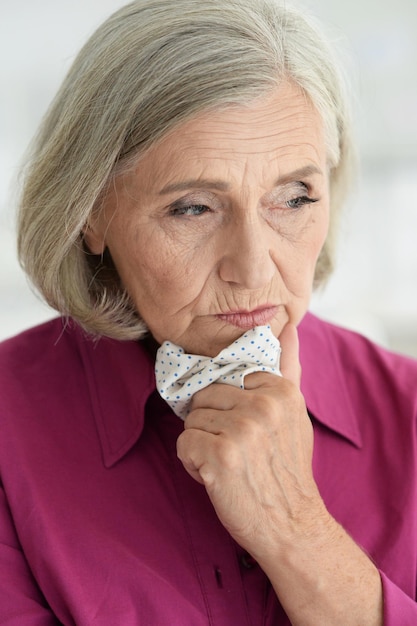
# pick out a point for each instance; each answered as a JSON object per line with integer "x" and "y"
{"x": 94, "y": 237}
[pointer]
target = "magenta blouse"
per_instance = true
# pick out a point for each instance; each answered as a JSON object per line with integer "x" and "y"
{"x": 101, "y": 525}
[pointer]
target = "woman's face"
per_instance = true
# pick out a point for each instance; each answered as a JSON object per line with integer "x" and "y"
{"x": 219, "y": 226}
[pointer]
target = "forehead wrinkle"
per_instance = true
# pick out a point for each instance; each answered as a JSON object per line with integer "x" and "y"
{"x": 207, "y": 139}
{"x": 298, "y": 146}
{"x": 218, "y": 137}
{"x": 238, "y": 145}
{"x": 250, "y": 130}
{"x": 289, "y": 106}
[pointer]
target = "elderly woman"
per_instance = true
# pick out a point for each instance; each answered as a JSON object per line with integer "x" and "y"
{"x": 179, "y": 207}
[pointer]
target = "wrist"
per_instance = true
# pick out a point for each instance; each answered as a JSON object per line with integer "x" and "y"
{"x": 289, "y": 539}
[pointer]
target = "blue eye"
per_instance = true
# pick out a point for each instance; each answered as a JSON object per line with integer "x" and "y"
{"x": 297, "y": 203}
{"x": 190, "y": 209}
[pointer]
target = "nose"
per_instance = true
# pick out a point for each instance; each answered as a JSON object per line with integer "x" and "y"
{"x": 247, "y": 258}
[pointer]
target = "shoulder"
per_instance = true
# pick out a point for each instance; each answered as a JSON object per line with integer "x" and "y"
{"x": 360, "y": 359}
{"x": 57, "y": 363}
{"x": 37, "y": 347}
{"x": 34, "y": 362}
{"x": 359, "y": 388}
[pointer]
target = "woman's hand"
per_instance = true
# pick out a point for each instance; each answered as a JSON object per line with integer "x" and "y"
{"x": 252, "y": 449}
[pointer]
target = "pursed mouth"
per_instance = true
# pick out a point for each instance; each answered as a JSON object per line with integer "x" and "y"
{"x": 249, "y": 319}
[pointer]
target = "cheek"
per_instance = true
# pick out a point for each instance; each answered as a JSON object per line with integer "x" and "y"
{"x": 298, "y": 265}
{"x": 165, "y": 279}
{"x": 142, "y": 256}
{"x": 168, "y": 274}
{"x": 321, "y": 230}
{"x": 318, "y": 228}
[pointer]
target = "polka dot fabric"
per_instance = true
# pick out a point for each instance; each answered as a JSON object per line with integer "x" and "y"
{"x": 179, "y": 375}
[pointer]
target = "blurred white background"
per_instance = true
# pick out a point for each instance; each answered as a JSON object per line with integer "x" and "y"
{"x": 374, "y": 289}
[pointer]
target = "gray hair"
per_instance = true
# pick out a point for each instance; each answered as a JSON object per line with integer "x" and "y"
{"x": 150, "y": 66}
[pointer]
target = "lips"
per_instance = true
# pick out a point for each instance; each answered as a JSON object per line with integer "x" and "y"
{"x": 249, "y": 319}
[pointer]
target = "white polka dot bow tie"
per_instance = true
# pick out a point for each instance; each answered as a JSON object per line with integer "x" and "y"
{"x": 179, "y": 375}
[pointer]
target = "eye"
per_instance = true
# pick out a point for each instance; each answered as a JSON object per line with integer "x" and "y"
{"x": 297, "y": 203}
{"x": 291, "y": 196}
{"x": 189, "y": 209}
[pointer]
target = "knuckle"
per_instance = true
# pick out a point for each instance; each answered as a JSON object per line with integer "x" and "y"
{"x": 264, "y": 404}
{"x": 185, "y": 443}
{"x": 196, "y": 417}
{"x": 228, "y": 455}
{"x": 248, "y": 427}
{"x": 274, "y": 403}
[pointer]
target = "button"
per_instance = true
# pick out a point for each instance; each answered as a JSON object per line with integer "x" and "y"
{"x": 247, "y": 561}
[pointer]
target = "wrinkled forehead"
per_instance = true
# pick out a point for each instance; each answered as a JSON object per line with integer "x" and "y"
{"x": 282, "y": 127}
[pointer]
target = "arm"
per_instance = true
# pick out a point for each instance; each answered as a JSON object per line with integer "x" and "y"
{"x": 21, "y": 602}
{"x": 252, "y": 449}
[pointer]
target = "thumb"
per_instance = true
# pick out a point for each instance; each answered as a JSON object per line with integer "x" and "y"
{"x": 290, "y": 361}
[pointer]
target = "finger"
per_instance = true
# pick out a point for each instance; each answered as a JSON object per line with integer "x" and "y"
{"x": 290, "y": 360}
{"x": 255, "y": 380}
{"x": 192, "y": 451}
{"x": 207, "y": 420}
{"x": 216, "y": 396}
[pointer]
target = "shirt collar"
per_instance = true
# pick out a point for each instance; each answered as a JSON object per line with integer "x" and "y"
{"x": 120, "y": 377}
{"x": 323, "y": 382}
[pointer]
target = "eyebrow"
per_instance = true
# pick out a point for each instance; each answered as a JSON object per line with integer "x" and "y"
{"x": 296, "y": 175}
{"x": 195, "y": 183}
{"x": 220, "y": 185}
